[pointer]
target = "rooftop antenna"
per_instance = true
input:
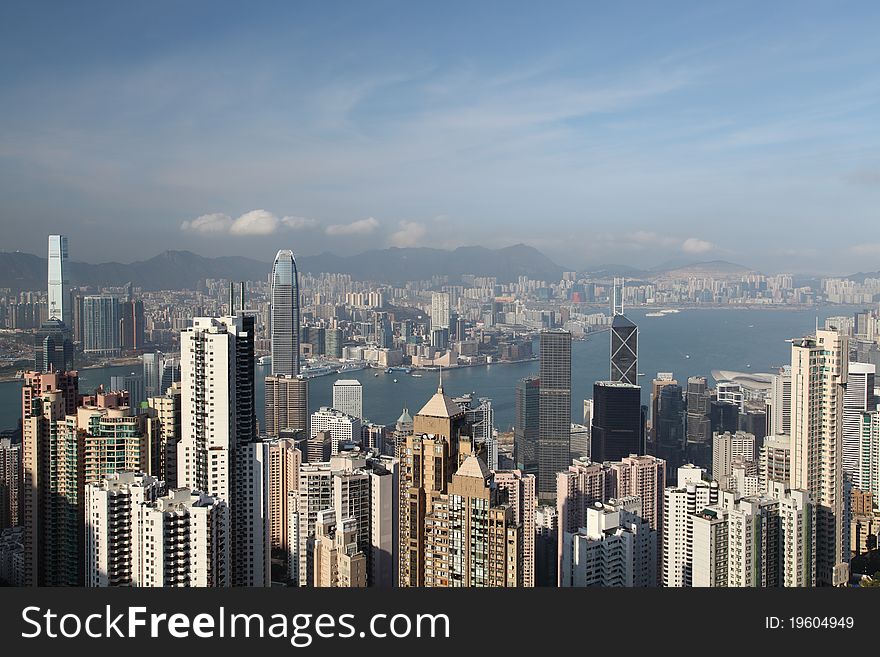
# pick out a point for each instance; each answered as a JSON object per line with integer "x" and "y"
{"x": 440, "y": 387}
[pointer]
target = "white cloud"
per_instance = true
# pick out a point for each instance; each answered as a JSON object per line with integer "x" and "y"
{"x": 410, "y": 234}
{"x": 255, "y": 222}
{"x": 360, "y": 227}
{"x": 208, "y": 224}
{"x": 696, "y": 245}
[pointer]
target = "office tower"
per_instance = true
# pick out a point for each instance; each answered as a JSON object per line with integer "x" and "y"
{"x": 404, "y": 424}
{"x": 546, "y": 546}
{"x": 344, "y": 430}
{"x": 779, "y": 403}
{"x": 662, "y": 380}
{"x": 285, "y": 315}
{"x": 384, "y": 331}
{"x": 818, "y": 380}
{"x": 339, "y": 563}
{"x": 730, "y": 392}
{"x": 624, "y": 350}
{"x": 616, "y": 547}
{"x": 52, "y": 480}
{"x": 131, "y": 324}
{"x": 698, "y": 449}
{"x": 137, "y": 538}
{"x": 691, "y": 494}
{"x": 284, "y": 463}
{"x": 429, "y": 457}
{"x": 728, "y": 448}
{"x": 348, "y": 397}
{"x": 217, "y": 453}
{"x": 134, "y": 386}
{"x": 774, "y": 462}
{"x": 858, "y": 403}
{"x": 152, "y": 366}
{"x": 440, "y": 310}
{"x": 53, "y": 348}
{"x": 723, "y": 417}
{"x": 10, "y": 478}
{"x": 617, "y": 428}
{"x": 163, "y": 426}
{"x": 333, "y": 342}
{"x": 522, "y": 498}
{"x": 669, "y": 428}
{"x": 59, "y": 299}
{"x": 554, "y": 411}
{"x": 287, "y": 405}
{"x": 101, "y": 325}
{"x": 580, "y": 441}
{"x": 113, "y": 528}
{"x": 527, "y": 426}
{"x": 318, "y": 448}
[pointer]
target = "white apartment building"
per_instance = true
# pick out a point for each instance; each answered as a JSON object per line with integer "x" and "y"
{"x": 134, "y": 537}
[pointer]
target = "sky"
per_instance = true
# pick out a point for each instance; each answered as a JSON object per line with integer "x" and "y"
{"x": 633, "y": 133}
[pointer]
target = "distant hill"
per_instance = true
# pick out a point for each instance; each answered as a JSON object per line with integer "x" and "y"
{"x": 183, "y": 269}
{"x": 712, "y": 269}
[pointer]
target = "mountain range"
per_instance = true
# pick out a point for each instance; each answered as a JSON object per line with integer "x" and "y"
{"x": 184, "y": 270}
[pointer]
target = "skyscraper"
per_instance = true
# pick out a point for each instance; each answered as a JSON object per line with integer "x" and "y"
{"x": 101, "y": 325}
{"x": 858, "y": 403}
{"x": 59, "y": 300}
{"x": 218, "y": 453}
{"x": 285, "y": 314}
{"x": 554, "y": 412}
{"x": 624, "y": 350}
{"x": 287, "y": 404}
{"x": 10, "y": 475}
{"x": 819, "y": 366}
{"x": 440, "y": 310}
{"x": 52, "y": 480}
{"x": 526, "y": 427}
{"x": 698, "y": 424}
{"x": 669, "y": 432}
{"x": 617, "y": 429}
{"x": 53, "y": 348}
{"x": 348, "y": 397}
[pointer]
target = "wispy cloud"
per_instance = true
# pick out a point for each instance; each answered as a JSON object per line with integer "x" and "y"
{"x": 696, "y": 245}
{"x": 253, "y": 223}
{"x": 360, "y": 227}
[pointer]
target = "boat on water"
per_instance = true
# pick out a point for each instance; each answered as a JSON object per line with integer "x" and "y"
{"x": 320, "y": 370}
{"x": 264, "y": 360}
{"x": 654, "y": 314}
{"x": 417, "y": 374}
{"x": 395, "y": 380}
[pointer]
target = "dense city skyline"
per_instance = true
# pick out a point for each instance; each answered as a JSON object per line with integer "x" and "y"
{"x": 641, "y": 134}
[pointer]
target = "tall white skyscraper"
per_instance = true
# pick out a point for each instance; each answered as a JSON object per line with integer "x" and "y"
{"x": 440, "y": 310}
{"x": 134, "y": 537}
{"x": 218, "y": 453}
{"x": 59, "y": 302}
{"x": 858, "y": 403}
{"x": 779, "y": 411}
{"x": 691, "y": 494}
{"x": 819, "y": 366}
{"x": 285, "y": 316}
{"x": 348, "y": 397}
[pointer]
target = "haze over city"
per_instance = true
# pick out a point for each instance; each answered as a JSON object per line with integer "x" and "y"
{"x": 637, "y": 135}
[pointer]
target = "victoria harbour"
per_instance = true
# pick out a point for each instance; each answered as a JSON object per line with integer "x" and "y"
{"x": 692, "y": 342}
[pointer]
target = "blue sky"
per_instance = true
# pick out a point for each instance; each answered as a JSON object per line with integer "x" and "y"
{"x": 637, "y": 133}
